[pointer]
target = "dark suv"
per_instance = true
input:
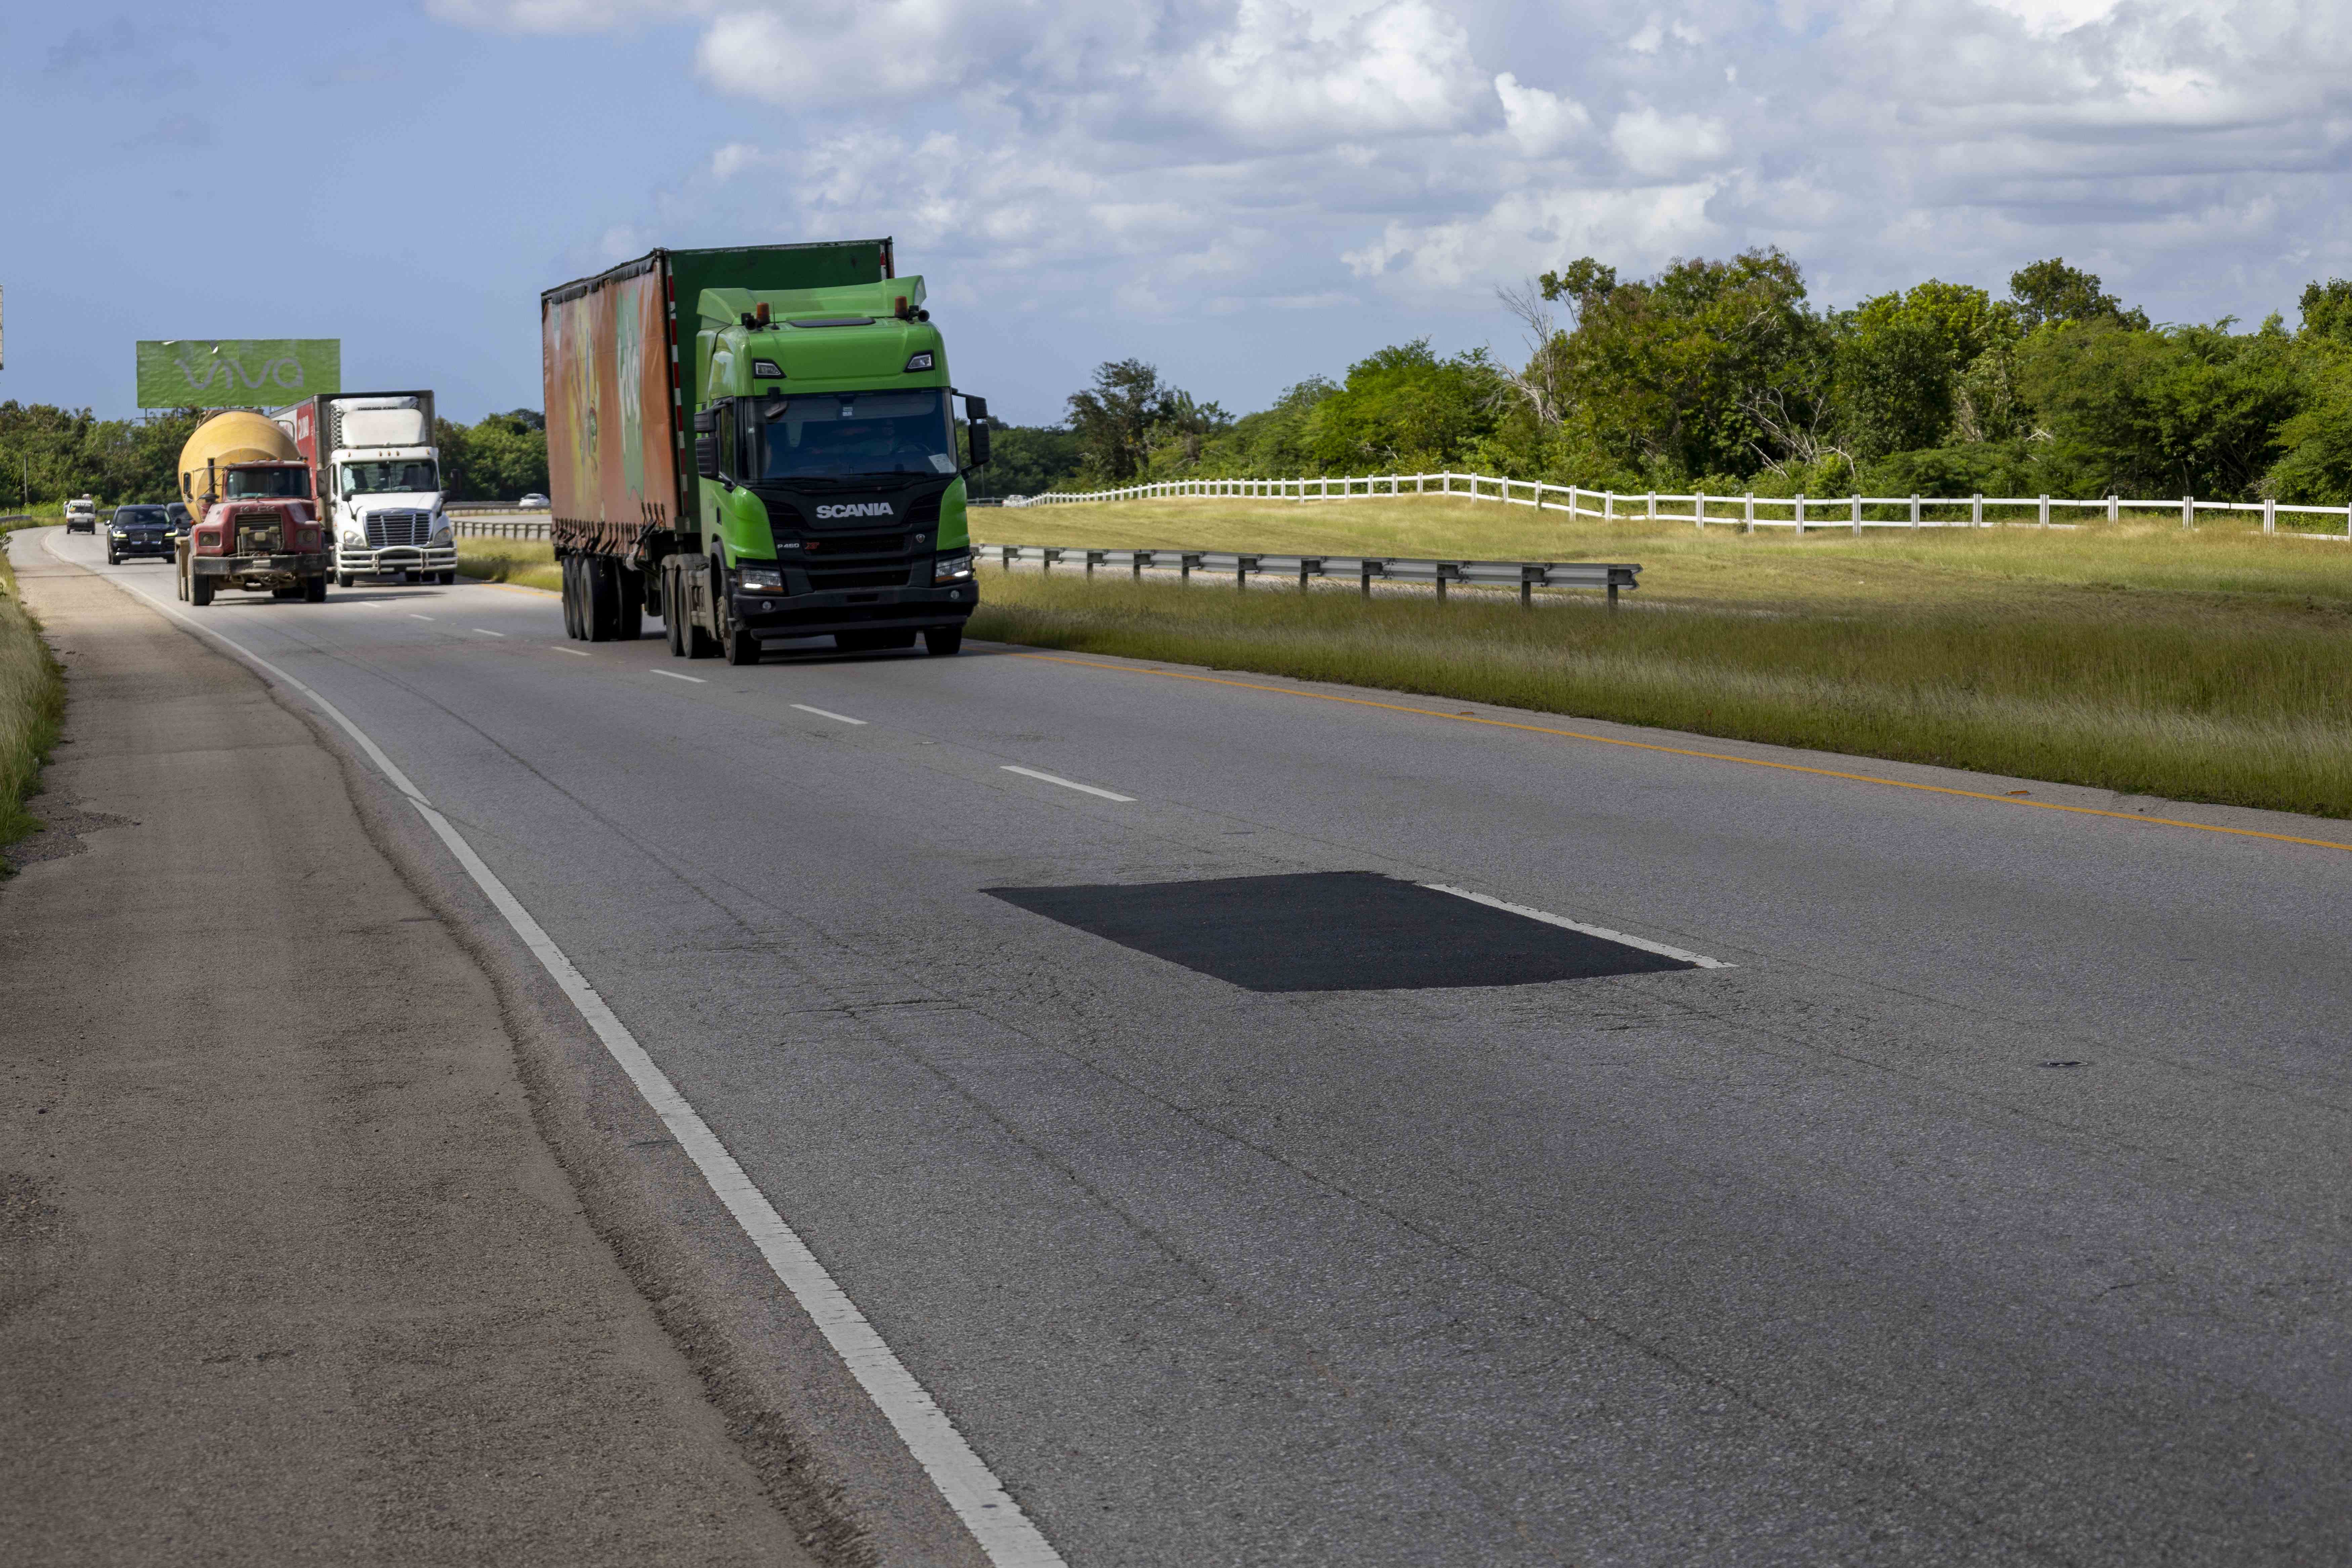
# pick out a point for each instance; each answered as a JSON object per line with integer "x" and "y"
{"x": 138, "y": 531}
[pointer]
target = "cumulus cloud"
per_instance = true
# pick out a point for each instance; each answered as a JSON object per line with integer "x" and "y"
{"x": 1227, "y": 155}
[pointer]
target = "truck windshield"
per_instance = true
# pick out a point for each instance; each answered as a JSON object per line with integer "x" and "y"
{"x": 402, "y": 474}
{"x": 842, "y": 434}
{"x": 264, "y": 484}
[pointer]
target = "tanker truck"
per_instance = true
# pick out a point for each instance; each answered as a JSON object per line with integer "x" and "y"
{"x": 822, "y": 493}
{"x": 248, "y": 496}
{"x": 377, "y": 476}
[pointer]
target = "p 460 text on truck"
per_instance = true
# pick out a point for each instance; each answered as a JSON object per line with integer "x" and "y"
{"x": 758, "y": 444}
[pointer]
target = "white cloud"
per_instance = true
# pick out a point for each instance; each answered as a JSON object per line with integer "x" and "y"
{"x": 1655, "y": 145}
{"x": 1541, "y": 122}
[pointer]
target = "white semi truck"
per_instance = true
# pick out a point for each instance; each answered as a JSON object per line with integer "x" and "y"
{"x": 378, "y": 481}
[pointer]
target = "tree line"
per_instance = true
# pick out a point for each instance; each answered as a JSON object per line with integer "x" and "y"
{"x": 1721, "y": 375}
{"x": 48, "y": 455}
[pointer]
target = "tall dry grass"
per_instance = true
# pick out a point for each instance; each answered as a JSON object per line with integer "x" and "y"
{"x": 32, "y": 706}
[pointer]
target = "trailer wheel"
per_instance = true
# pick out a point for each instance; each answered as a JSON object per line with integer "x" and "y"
{"x": 569, "y": 567}
{"x": 314, "y": 589}
{"x": 941, "y": 641}
{"x": 602, "y": 600}
{"x": 673, "y": 623}
{"x": 628, "y": 604}
{"x": 200, "y": 591}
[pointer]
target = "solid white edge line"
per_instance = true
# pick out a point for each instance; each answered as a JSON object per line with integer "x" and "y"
{"x": 1067, "y": 784}
{"x": 1660, "y": 948}
{"x": 1003, "y": 1532}
{"x": 676, "y": 675}
{"x": 842, "y": 718}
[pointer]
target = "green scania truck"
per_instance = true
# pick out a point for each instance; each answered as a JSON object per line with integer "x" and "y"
{"x": 757, "y": 443}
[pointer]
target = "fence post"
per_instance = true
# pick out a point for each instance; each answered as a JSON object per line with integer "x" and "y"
{"x": 2270, "y": 515}
{"x": 1915, "y": 509}
{"x": 1747, "y": 511}
{"x": 1652, "y": 515}
{"x": 2188, "y": 511}
{"x": 2044, "y": 515}
{"x": 1800, "y": 514}
{"x": 2115, "y": 509}
{"x": 1698, "y": 511}
{"x": 1857, "y": 517}
{"x": 1976, "y": 509}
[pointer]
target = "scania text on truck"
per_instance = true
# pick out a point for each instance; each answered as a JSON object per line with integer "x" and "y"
{"x": 377, "y": 476}
{"x": 248, "y": 492}
{"x": 823, "y": 491}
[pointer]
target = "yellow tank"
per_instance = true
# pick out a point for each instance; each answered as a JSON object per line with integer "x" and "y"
{"x": 234, "y": 435}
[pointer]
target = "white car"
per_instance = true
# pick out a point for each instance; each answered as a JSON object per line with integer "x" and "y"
{"x": 533, "y": 502}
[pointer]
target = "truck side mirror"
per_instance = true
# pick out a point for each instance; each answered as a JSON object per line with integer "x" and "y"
{"x": 979, "y": 443}
{"x": 706, "y": 443}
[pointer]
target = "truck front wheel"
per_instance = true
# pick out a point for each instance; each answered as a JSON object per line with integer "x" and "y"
{"x": 314, "y": 589}
{"x": 200, "y": 591}
{"x": 941, "y": 641}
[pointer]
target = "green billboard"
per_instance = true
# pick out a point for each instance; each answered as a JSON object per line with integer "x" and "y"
{"x": 237, "y": 372}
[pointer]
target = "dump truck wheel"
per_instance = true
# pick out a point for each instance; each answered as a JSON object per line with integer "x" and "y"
{"x": 314, "y": 589}
{"x": 200, "y": 591}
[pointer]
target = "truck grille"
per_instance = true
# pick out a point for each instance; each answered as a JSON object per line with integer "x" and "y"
{"x": 834, "y": 546}
{"x": 823, "y": 581}
{"x": 398, "y": 527}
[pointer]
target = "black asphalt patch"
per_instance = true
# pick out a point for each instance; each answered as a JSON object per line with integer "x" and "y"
{"x": 1334, "y": 931}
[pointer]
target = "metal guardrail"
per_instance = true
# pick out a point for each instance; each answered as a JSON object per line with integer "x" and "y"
{"x": 1526, "y": 576}
{"x": 507, "y": 525}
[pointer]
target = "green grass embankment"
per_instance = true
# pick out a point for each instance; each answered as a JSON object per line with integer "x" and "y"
{"x": 529, "y": 563}
{"x": 32, "y": 706}
{"x": 2213, "y": 666}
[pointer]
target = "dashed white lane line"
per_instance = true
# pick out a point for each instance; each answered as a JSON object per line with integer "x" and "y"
{"x": 414, "y": 616}
{"x": 1661, "y": 949}
{"x": 486, "y": 631}
{"x": 576, "y": 653}
{"x": 837, "y": 718}
{"x": 1006, "y": 1535}
{"x": 676, "y": 675}
{"x": 1067, "y": 784}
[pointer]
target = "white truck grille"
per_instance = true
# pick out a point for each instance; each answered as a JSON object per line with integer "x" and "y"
{"x": 398, "y": 527}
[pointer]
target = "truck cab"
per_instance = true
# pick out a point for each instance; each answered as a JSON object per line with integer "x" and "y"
{"x": 826, "y": 423}
{"x": 380, "y": 485}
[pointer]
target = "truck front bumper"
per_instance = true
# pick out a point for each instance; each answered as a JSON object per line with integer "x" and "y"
{"x": 396, "y": 558}
{"x": 769, "y": 615}
{"x": 258, "y": 571}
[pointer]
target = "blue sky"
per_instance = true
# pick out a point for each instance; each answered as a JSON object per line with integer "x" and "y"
{"x": 1244, "y": 192}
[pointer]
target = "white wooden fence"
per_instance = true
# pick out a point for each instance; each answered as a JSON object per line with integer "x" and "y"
{"x": 1747, "y": 513}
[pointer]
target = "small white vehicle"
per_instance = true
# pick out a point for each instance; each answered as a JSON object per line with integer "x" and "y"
{"x": 533, "y": 502}
{"x": 81, "y": 515}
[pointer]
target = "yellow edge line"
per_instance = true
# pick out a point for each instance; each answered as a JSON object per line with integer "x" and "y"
{"x": 1685, "y": 752}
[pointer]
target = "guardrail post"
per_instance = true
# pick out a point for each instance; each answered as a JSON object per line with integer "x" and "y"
{"x": 1527, "y": 586}
{"x": 1135, "y": 559}
{"x": 1365, "y": 568}
{"x": 1005, "y": 555}
{"x": 1976, "y": 509}
{"x": 1441, "y": 582}
{"x": 1303, "y": 565}
{"x": 1800, "y": 514}
{"x": 1915, "y": 509}
{"x": 1184, "y": 570}
{"x": 1747, "y": 511}
{"x": 1857, "y": 517}
{"x": 1612, "y": 598}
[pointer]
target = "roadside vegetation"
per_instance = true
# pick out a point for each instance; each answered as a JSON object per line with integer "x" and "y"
{"x": 2213, "y": 665}
{"x": 32, "y": 706}
{"x": 529, "y": 563}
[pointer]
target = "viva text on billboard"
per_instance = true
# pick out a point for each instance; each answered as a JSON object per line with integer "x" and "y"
{"x": 232, "y": 372}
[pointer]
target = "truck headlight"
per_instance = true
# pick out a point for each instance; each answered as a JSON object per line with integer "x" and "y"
{"x": 442, "y": 535}
{"x": 956, "y": 568}
{"x": 762, "y": 580}
{"x": 355, "y": 536}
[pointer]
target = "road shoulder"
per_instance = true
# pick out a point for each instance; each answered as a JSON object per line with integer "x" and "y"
{"x": 288, "y": 1271}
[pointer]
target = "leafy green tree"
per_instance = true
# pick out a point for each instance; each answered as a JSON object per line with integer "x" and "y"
{"x": 2184, "y": 411}
{"x": 1403, "y": 408}
{"x": 1026, "y": 460}
{"x": 1712, "y": 367}
{"x": 502, "y": 457}
{"x": 2327, "y": 311}
{"x": 1273, "y": 442}
{"x": 1902, "y": 358}
{"x": 1113, "y": 420}
{"x": 2051, "y": 290}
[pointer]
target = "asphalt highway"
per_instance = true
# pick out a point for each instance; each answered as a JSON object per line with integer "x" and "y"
{"x": 1986, "y": 1200}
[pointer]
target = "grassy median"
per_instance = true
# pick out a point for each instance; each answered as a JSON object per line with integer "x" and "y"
{"x": 2213, "y": 666}
{"x": 527, "y": 563}
{"x": 32, "y": 706}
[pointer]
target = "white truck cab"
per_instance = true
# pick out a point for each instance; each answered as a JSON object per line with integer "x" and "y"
{"x": 380, "y": 483}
